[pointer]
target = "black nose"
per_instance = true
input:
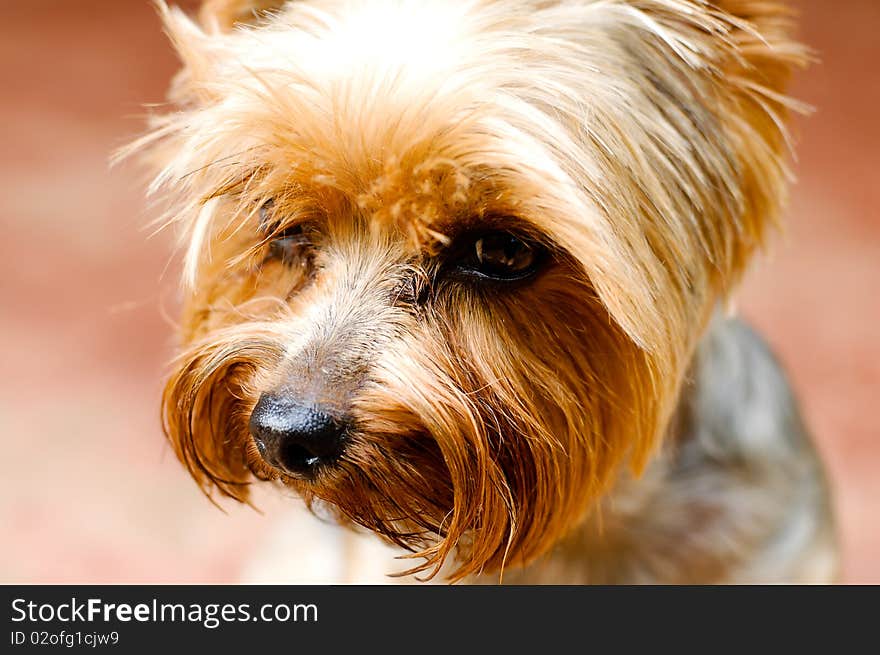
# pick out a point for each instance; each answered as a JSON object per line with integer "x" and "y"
{"x": 295, "y": 437}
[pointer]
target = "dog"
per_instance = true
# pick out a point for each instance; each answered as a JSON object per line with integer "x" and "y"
{"x": 457, "y": 273}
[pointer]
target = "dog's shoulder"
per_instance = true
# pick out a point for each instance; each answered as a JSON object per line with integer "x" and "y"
{"x": 746, "y": 451}
{"x": 739, "y": 400}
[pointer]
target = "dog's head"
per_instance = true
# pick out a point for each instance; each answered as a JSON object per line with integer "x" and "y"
{"x": 446, "y": 262}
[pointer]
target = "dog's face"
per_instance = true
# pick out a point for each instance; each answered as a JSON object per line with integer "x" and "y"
{"x": 447, "y": 262}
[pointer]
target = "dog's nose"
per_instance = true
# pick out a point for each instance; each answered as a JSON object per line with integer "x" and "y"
{"x": 295, "y": 437}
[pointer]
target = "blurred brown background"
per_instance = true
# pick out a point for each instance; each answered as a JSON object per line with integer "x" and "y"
{"x": 89, "y": 492}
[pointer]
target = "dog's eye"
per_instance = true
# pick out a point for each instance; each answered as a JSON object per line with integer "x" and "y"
{"x": 500, "y": 256}
{"x": 266, "y": 214}
{"x": 286, "y": 245}
{"x": 290, "y": 245}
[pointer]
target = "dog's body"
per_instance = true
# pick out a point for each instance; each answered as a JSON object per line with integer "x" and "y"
{"x": 736, "y": 496}
{"x": 452, "y": 271}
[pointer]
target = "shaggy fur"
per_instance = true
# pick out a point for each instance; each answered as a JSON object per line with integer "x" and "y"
{"x": 556, "y": 424}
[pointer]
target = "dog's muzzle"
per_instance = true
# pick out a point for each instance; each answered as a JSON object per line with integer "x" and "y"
{"x": 296, "y": 437}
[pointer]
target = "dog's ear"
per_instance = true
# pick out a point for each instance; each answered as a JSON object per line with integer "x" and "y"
{"x": 714, "y": 74}
{"x": 754, "y": 107}
{"x": 192, "y": 39}
{"x": 225, "y": 14}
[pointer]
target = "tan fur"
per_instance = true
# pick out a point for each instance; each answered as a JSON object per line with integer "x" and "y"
{"x": 222, "y": 15}
{"x": 641, "y": 140}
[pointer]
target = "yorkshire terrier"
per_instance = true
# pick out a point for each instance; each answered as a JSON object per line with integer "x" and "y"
{"x": 453, "y": 271}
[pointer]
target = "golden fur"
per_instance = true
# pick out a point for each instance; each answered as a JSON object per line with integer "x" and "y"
{"x": 642, "y": 141}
